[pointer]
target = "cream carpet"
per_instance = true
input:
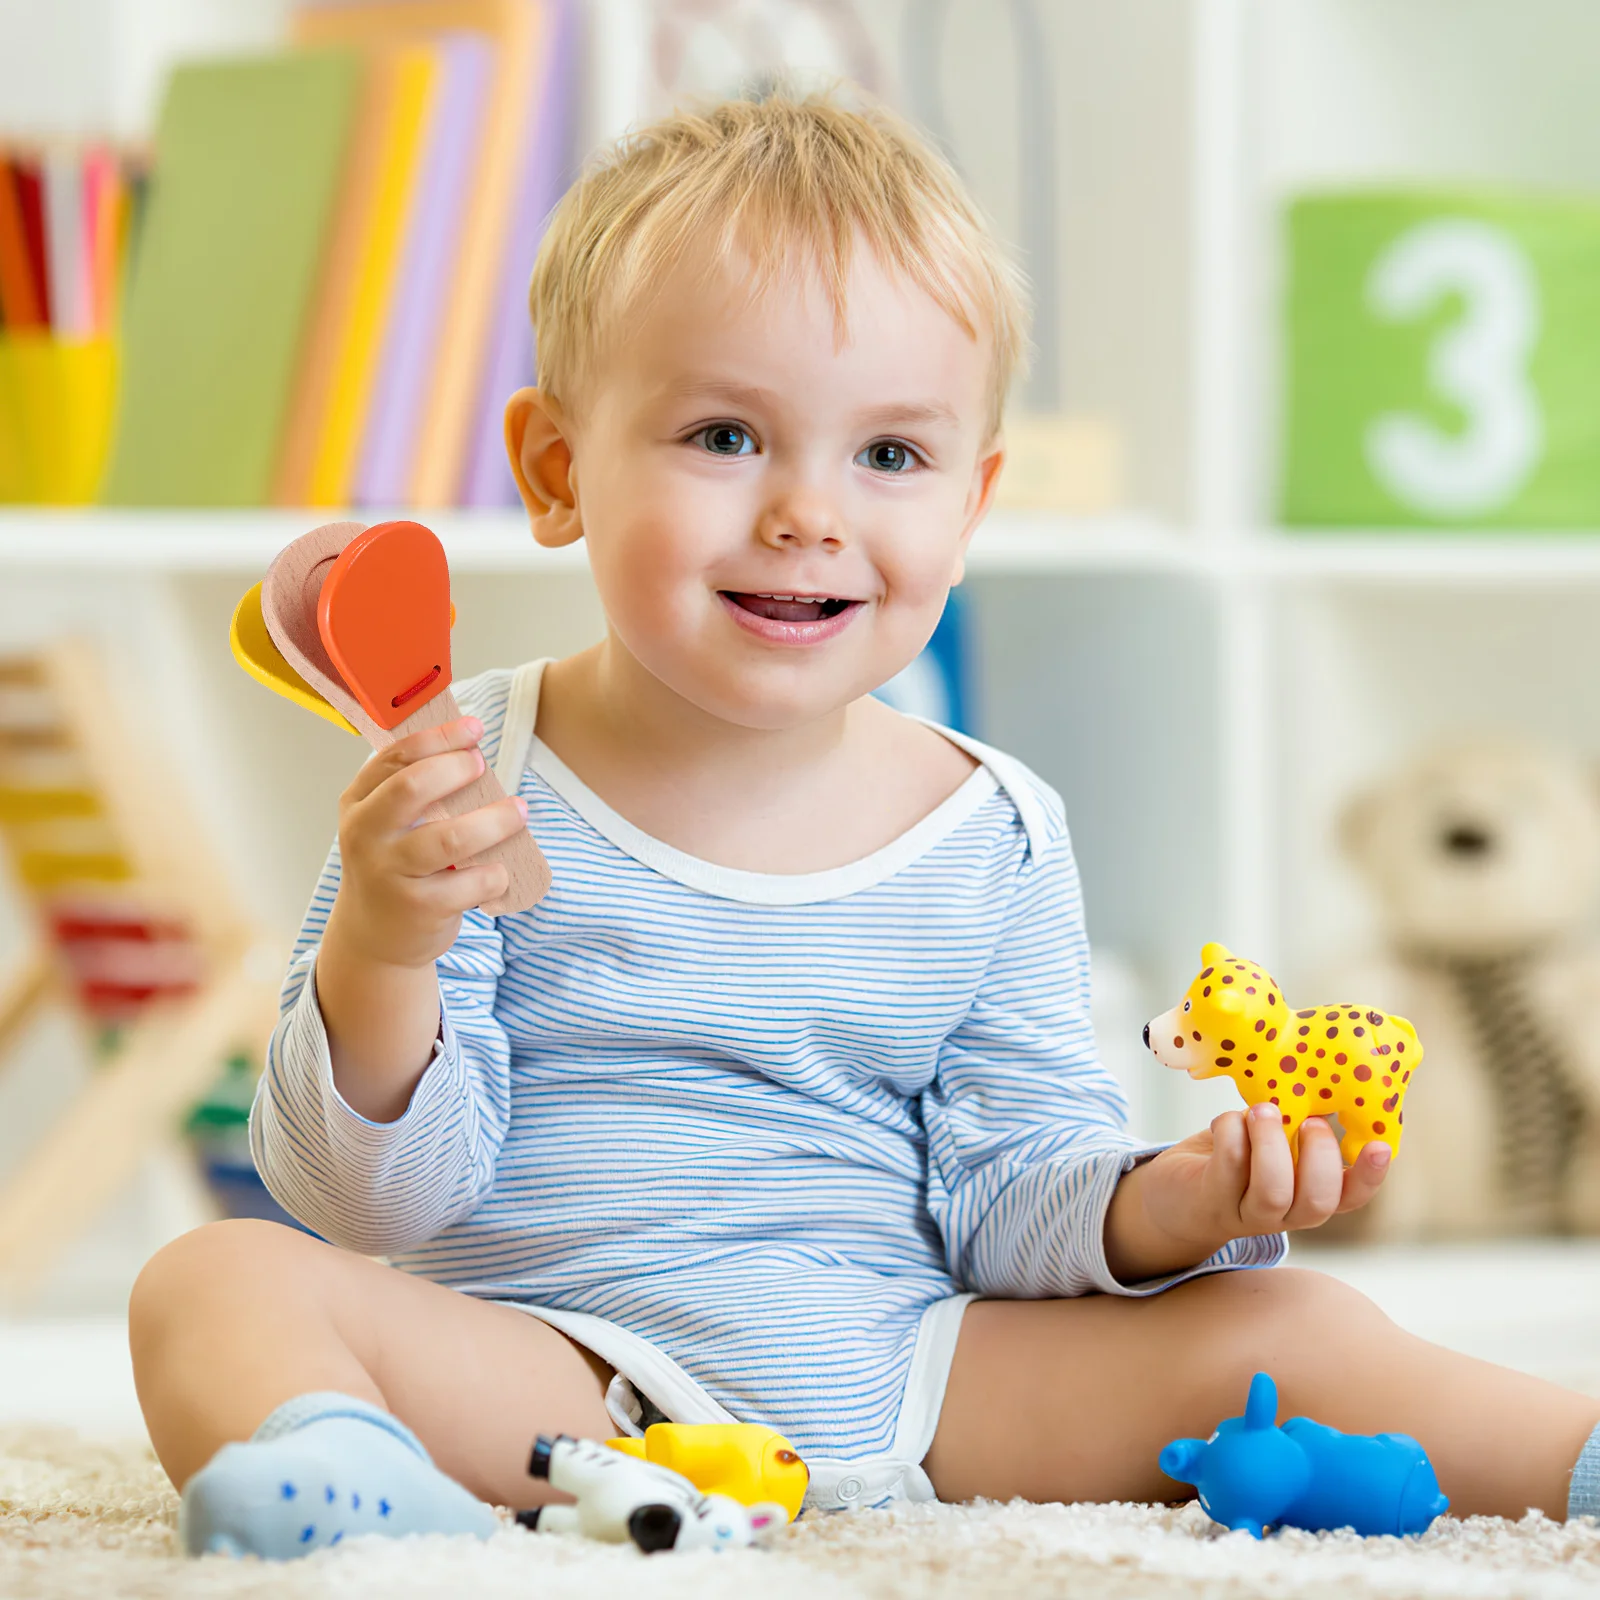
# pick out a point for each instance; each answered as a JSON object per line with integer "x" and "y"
{"x": 81, "y": 1519}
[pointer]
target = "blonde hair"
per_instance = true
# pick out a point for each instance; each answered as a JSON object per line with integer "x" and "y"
{"x": 777, "y": 177}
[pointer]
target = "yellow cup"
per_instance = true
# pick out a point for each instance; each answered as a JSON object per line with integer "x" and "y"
{"x": 56, "y": 399}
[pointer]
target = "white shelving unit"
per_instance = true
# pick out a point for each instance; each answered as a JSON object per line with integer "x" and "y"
{"x": 1205, "y": 689}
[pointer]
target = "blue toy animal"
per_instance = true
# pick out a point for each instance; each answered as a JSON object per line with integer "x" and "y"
{"x": 1253, "y": 1475}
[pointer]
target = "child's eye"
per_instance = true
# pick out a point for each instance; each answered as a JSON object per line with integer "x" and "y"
{"x": 889, "y": 455}
{"x": 726, "y": 439}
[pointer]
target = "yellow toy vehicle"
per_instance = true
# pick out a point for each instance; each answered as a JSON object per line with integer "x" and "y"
{"x": 742, "y": 1460}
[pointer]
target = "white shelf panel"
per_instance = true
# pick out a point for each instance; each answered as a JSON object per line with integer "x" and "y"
{"x": 1010, "y": 542}
{"x": 44, "y": 539}
{"x": 246, "y": 541}
{"x": 1533, "y": 559}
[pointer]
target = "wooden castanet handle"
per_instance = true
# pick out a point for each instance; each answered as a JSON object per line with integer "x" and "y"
{"x": 527, "y": 871}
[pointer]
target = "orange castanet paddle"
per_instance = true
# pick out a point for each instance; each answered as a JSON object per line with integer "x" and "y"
{"x": 355, "y": 615}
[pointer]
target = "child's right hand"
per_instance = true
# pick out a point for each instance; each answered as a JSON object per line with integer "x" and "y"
{"x": 401, "y": 896}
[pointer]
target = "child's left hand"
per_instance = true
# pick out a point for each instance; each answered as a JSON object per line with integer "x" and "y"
{"x": 1233, "y": 1180}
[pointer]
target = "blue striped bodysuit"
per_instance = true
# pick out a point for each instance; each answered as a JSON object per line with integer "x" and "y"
{"x": 754, "y": 1139}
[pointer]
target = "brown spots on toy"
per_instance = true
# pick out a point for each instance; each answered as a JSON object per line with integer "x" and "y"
{"x": 1346, "y": 1051}
{"x": 1377, "y": 1127}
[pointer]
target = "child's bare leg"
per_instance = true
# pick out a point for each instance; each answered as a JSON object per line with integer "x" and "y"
{"x": 1073, "y": 1399}
{"x": 233, "y": 1319}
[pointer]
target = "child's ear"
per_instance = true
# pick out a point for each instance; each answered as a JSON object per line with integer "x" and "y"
{"x": 541, "y": 462}
{"x": 985, "y": 480}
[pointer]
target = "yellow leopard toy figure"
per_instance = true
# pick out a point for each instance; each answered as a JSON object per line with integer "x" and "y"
{"x": 1344, "y": 1060}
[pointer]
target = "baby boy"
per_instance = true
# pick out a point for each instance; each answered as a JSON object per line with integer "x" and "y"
{"x": 783, "y": 1106}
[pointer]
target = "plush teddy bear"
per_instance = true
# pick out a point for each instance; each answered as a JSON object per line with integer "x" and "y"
{"x": 1484, "y": 857}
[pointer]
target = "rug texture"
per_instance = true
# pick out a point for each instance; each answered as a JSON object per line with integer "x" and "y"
{"x": 84, "y": 1519}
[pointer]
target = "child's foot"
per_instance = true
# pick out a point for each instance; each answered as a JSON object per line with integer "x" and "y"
{"x": 322, "y": 1468}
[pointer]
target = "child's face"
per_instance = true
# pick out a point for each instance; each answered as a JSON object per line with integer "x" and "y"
{"x": 734, "y": 448}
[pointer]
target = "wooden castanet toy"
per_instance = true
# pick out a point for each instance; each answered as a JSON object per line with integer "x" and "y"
{"x": 361, "y": 617}
{"x": 254, "y": 650}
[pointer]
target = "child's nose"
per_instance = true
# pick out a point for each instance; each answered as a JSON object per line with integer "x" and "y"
{"x": 800, "y": 518}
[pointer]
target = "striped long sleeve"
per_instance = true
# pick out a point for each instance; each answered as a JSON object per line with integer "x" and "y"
{"x": 384, "y": 1187}
{"x": 1026, "y": 1129}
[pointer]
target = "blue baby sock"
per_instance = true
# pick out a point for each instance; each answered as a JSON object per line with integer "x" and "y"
{"x": 321, "y": 1468}
{"x": 1583, "y": 1498}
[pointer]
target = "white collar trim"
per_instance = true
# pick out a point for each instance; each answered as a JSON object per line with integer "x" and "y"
{"x": 520, "y": 746}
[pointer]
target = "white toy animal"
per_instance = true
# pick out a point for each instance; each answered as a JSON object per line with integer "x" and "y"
{"x": 620, "y": 1498}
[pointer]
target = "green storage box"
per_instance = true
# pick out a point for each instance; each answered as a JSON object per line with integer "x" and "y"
{"x": 1443, "y": 353}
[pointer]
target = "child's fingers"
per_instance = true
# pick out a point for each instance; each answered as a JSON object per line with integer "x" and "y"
{"x": 1271, "y": 1189}
{"x": 461, "y": 734}
{"x": 450, "y": 892}
{"x": 1319, "y": 1176}
{"x": 397, "y": 803}
{"x": 1228, "y": 1170}
{"x": 436, "y": 845}
{"x": 1363, "y": 1179}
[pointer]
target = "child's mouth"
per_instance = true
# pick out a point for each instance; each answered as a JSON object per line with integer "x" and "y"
{"x": 788, "y": 607}
{"x": 790, "y": 619}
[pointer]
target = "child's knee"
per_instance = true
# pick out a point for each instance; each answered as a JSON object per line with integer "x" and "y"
{"x": 1287, "y": 1310}
{"x": 182, "y": 1275}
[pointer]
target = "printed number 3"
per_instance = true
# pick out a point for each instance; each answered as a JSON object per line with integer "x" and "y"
{"x": 1479, "y": 364}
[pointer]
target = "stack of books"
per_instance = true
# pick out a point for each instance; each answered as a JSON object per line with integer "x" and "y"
{"x": 66, "y": 216}
{"x": 328, "y": 306}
